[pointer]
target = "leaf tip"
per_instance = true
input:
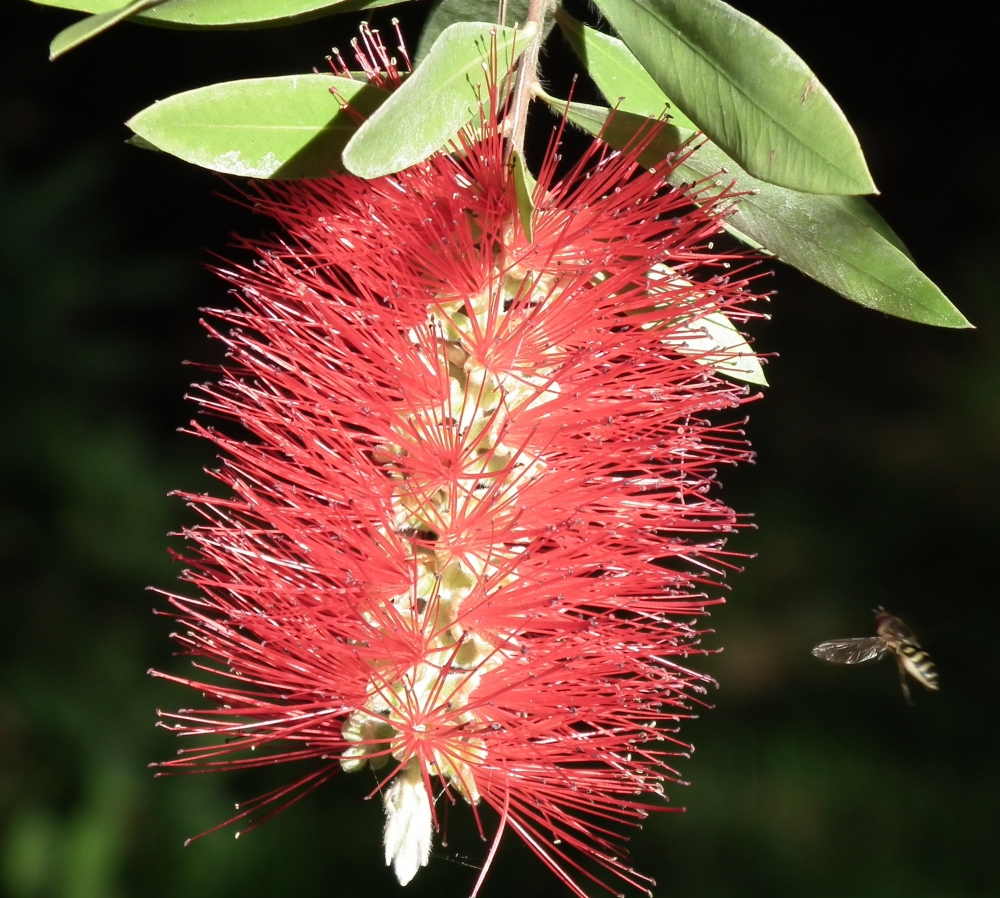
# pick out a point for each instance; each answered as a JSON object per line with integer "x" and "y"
{"x": 957, "y": 321}
{"x": 137, "y": 140}
{"x": 56, "y": 50}
{"x": 943, "y": 314}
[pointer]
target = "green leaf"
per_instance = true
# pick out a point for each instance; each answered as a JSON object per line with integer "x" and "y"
{"x": 623, "y": 129}
{"x": 447, "y": 12}
{"x": 821, "y": 236}
{"x": 747, "y": 90}
{"x": 223, "y": 13}
{"x": 283, "y": 128}
{"x": 441, "y": 96}
{"x": 141, "y": 143}
{"x": 619, "y": 76}
{"x": 828, "y": 241}
{"x": 617, "y": 73}
{"x": 524, "y": 190}
{"x": 71, "y": 37}
{"x": 865, "y": 212}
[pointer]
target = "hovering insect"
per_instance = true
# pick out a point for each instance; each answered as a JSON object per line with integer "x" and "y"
{"x": 893, "y": 636}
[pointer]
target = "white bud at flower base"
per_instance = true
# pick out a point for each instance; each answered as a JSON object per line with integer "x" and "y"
{"x": 408, "y": 823}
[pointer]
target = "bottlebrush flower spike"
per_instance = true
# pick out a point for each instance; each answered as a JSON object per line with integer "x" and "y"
{"x": 468, "y": 522}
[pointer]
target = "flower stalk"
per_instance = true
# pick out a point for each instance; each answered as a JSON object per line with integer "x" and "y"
{"x": 526, "y": 76}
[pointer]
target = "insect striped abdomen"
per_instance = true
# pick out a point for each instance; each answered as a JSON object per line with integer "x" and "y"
{"x": 918, "y": 664}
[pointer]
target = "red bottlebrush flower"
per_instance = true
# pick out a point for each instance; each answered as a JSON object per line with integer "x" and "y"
{"x": 468, "y": 520}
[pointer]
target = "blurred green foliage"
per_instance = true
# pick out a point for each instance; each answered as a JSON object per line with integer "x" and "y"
{"x": 878, "y": 482}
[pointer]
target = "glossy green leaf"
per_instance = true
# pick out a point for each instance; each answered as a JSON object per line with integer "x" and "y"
{"x": 441, "y": 96}
{"x": 746, "y": 89}
{"x": 79, "y": 32}
{"x": 447, "y": 12}
{"x": 285, "y": 127}
{"x": 524, "y": 190}
{"x": 222, "y": 13}
{"x": 822, "y": 236}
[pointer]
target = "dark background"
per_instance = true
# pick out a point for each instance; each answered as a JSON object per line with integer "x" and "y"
{"x": 877, "y": 483}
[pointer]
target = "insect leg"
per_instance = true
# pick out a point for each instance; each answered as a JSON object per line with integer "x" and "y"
{"x": 902, "y": 679}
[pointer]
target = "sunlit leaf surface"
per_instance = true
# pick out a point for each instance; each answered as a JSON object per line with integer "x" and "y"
{"x": 441, "y": 96}
{"x": 283, "y": 127}
{"x": 223, "y": 13}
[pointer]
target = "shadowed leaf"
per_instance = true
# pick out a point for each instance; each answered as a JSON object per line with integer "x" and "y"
{"x": 617, "y": 73}
{"x": 524, "y": 188}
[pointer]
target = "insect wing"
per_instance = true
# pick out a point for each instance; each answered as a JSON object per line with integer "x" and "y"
{"x": 851, "y": 651}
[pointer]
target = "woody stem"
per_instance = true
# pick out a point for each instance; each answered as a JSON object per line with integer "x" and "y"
{"x": 526, "y": 75}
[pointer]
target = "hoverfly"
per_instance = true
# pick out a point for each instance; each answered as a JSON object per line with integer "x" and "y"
{"x": 893, "y": 636}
